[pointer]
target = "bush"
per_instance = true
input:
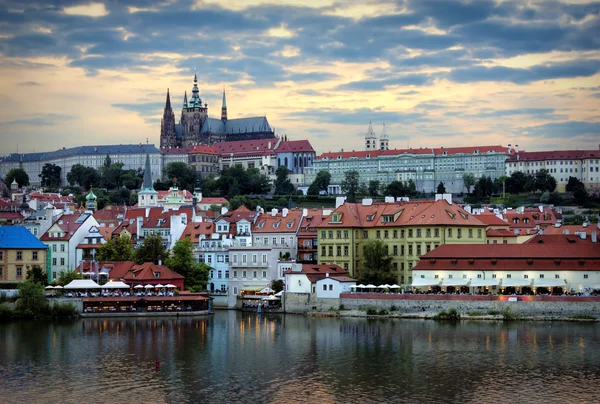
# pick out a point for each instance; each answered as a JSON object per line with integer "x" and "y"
{"x": 475, "y": 314}
{"x": 508, "y": 314}
{"x": 393, "y": 308}
{"x": 63, "y": 310}
{"x": 371, "y": 311}
{"x": 342, "y": 307}
{"x": 5, "y": 312}
{"x": 383, "y": 312}
{"x": 450, "y": 315}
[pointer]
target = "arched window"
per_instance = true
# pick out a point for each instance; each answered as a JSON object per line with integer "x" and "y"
{"x": 286, "y": 161}
{"x": 279, "y": 162}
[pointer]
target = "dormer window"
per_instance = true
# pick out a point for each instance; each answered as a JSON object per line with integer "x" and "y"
{"x": 368, "y": 156}
{"x": 157, "y": 274}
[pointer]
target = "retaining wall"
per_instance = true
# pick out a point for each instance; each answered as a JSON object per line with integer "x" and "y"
{"x": 305, "y": 302}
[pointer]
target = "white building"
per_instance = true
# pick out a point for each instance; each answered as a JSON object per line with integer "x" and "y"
{"x": 331, "y": 287}
{"x": 303, "y": 278}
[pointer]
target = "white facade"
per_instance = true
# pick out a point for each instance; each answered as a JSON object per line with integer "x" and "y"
{"x": 331, "y": 288}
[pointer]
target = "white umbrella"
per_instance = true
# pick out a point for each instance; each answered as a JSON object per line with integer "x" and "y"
{"x": 159, "y": 286}
{"x": 49, "y": 287}
{"x": 149, "y": 287}
{"x": 369, "y": 286}
{"x": 267, "y": 290}
{"x": 116, "y": 285}
{"x": 361, "y": 286}
{"x": 353, "y": 286}
{"x": 386, "y": 286}
{"x": 279, "y": 293}
{"x": 138, "y": 287}
{"x": 58, "y": 287}
{"x": 170, "y": 286}
{"x": 394, "y": 286}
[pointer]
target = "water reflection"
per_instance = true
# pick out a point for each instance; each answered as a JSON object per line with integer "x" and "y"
{"x": 245, "y": 357}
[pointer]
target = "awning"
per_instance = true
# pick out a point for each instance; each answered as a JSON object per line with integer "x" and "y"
{"x": 484, "y": 282}
{"x": 515, "y": 282}
{"x": 253, "y": 288}
{"x": 425, "y": 282}
{"x": 82, "y": 284}
{"x": 455, "y": 282}
{"x": 549, "y": 283}
{"x": 115, "y": 285}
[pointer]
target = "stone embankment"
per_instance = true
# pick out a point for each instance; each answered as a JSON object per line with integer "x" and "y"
{"x": 428, "y": 306}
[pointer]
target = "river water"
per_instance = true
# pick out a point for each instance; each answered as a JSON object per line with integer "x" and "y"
{"x": 243, "y": 357}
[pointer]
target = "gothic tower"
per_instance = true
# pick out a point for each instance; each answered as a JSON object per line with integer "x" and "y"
{"x": 168, "y": 134}
{"x": 370, "y": 139}
{"x": 224, "y": 108}
{"x": 384, "y": 140}
{"x": 193, "y": 115}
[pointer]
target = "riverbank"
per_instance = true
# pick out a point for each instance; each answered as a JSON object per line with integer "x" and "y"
{"x": 142, "y": 314}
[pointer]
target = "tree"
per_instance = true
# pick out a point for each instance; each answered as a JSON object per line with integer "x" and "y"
{"x": 36, "y": 274}
{"x": 277, "y": 285}
{"x": 132, "y": 179}
{"x": 373, "y": 188}
{"x": 256, "y": 183}
{"x": 67, "y": 276}
{"x": 544, "y": 181}
{"x": 119, "y": 248}
{"x": 83, "y": 176}
{"x": 209, "y": 186}
{"x": 182, "y": 262}
{"x": 469, "y": 181}
{"x": 411, "y": 188}
{"x": 31, "y": 298}
{"x": 19, "y": 175}
{"x": 283, "y": 185}
{"x": 395, "y": 189}
{"x": 572, "y": 184}
{"x": 50, "y": 175}
{"x": 441, "y": 188}
{"x": 580, "y": 194}
{"x": 111, "y": 177}
{"x": 350, "y": 185}
{"x": 377, "y": 266}
{"x": 152, "y": 249}
{"x": 184, "y": 174}
{"x": 517, "y": 182}
{"x": 320, "y": 183}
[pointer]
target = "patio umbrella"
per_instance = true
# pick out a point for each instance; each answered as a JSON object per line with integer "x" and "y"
{"x": 370, "y": 286}
{"x": 279, "y": 293}
{"x": 149, "y": 286}
{"x": 386, "y": 286}
{"x": 353, "y": 286}
{"x": 159, "y": 286}
{"x": 361, "y": 286}
{"x": 394, "y": 286}
{"x": 267, "y": 290}
{"x": 169, "y": 286}
{"x": 49, "y": 287}
{"x": 138, "y": 287}
{"x": 58, "y": 287}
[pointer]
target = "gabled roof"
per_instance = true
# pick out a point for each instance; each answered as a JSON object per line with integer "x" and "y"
{"x": 239, "y": 214}
{"x": 257, "y": 124}
{"x": 490, "y": 219}
{"x": 295, "y": 146}
{"x": 110, "y": 213}
{"x": 559, "y": 239}
{"x": 68, "y": 224}
{"x": 213, "y": 201}
{"x": 572, "y": 229}
{"x": 19, "y": 237}
{"x": 181, "y": 193}
{"x": 133, "y": 213}
{"x": 553, "y": 155}
{"x": 310, "y": 222}
{"x": 315, "y": 272}
{"x": 500, "y": 233}
{"x": 267, "y": 223}
{"x": 195, "y": 230}
{"x": 203, "y": 149}
{"x": 147, "y": 270}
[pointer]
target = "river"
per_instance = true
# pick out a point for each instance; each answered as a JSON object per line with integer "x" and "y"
{"x": 243, "y": 357}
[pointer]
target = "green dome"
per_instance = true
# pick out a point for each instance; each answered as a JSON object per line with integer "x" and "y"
{"x": 90, "y": 196}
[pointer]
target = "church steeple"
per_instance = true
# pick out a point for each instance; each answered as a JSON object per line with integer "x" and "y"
{"x": 185, "y": 102}
{"x": 168, "y": 103}
{"x": 195, "y": 101}
{"x": 370, "y": 139}
{"x": 224, "y": 108}
{"x": 147, "y": 195}
{"x": 384, "y": 140}
{"x": 147, "y": 185}
{"x": 168, "y": 133}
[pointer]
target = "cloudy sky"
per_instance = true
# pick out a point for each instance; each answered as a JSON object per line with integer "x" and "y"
{"x": 436, "y": 72}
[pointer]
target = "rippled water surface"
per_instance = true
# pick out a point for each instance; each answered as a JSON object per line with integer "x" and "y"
{"x": 239, "y": 357}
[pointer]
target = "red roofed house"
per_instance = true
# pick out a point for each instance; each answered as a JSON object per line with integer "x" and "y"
{"x": 561, "y": 164}
{"x": 302, "y": 278}
{"x": 525, "y": 268}
{"x": 147, "y": 274}
{"x": 204, "y": 160}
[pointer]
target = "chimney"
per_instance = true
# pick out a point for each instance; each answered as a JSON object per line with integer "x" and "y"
{"x": 509, "y": 148}
{"x": 516, "y": 148}
{"x": 147, "y": 212}
{"x": 274, "y": 212}
{"x": 367, "y": 202}
{"x": 284, "y": 212}
{"x": 224, "y": 210}
{"x": 326, "y": 274}
{"x": 159, "y": 262}
{"x": 304, "y": 212}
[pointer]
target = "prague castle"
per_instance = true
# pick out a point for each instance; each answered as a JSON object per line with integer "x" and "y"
{"x": 196, "y": 127}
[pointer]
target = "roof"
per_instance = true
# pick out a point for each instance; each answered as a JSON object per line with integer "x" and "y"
{"x": 247, "y": 147}
{"x": 490, "y": 219}
{"x": 175, "y": 150}
{"x": 241, "y": 213}
{"x": 141, "y": 212}
{"x": 181, "y": 193}
{"x": 19, "y": 237}
{"x": 558, "y": 239}
{"x": 195, "y": 230}
{"x": 470, "y": 150}
{"x": 423, "y": 150}
{"x": 84, "y": 150}
{"x": 341, "y": 278}
{"x": 554, "y": 155}
{"x": 315, "y": 272}
{"x": 258, "y": 124}
{"x": 267, "y": 223}
{"x": 203, "y": 149}
{"x": 520, "y": 220}
{"x": 148, "y": 270}
{"x": 295, "y": 146}
{"x": 572, "y": 229}
{"x": 500, "y": 233}
{"x": 511, "y": 257}
{"x": 309, "y": 224}
{"x": 68, "y": 223}
{"x": 110, "y": 213}
{"x": 213, "y": 201}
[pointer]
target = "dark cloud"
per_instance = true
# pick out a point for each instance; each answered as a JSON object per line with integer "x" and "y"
{"x": 381, "y": 84}
{"x": 29, "y": 83}
{"x": 565, "y": 130}
{"x": 579, "y": 68}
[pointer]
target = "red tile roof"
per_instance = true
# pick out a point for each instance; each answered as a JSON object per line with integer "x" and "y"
{"x": 202, "y": 149}
{"x": 295, "y": 146}
{"x": 500, "y": 233}
{"x": 147, "y": 271}
{"x": 132, "y": 213}
{"x": 240, "y": 213}
{"x": 423, "y": 150}
{"x": 267, "y": 223}
{"x": 195, "y": 230}
{"x": 490, "y": 219}
{"x": 67, "y": 223}
{"x": 247, "y": 148}
{"x": 554, "y": 155}
{"x": 213, "y": 201}
{"x": 175, "y": 150}
{"x": 572, "y": 229}
{"x": 558, "y": 239}
{"x": 470, "y": 150}
{"x": 315, "y": 272}
{"x": 181, "y": 193}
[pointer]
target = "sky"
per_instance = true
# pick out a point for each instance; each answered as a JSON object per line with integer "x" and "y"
{"x": 437, "y": 73}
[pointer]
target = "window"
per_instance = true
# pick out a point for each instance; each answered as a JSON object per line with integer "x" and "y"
{"x": 220, "y": 258}
{"x": 323, "y": 251}
{"x": 437, "y": 277}
{"x": 264, "y": 258}
{"x": 254, "y": 259}
{"x": 53, "y": 247}
{"x": 585, "y": 276}
{"x": 493, "y": 276}
{"x": 235, "y": 259}
{"x": 395, "y": 250}
{"x": 244, "y": 259}
{"x": 264, "y": 274}
{"x": 410, "y": 250}
{"x": 323, "y": 234}
{"x": 339, "y": 234}
{"x": 525, "y": 276}
{"x": 19, "y": 255}
{"x": 54, "y": 261}
{"x": 62, "y": 261}
{"x": 419, "y": 249}
{"x": 1, "y": 271}
{"x": 34, "y": 255}
{"x": 378, "y": 234}
{"x": 324, "y": 287}
{"x": 478, "y": 233}
{"x": 1, "y": 255}
{"x": 62, "y": 248}
{"x": 330, "y": 287}
{"x": 345, "y": 233}
{"x": 428, "y": 233}
{"x": 254, "y": 274}
{"x": 19, "y": 271}
{"x": 464, "y": 276}
{"x": 365, "y": 234}
{"x": 219, "y": 274}
{"x": 478, "y": 276}
{"x": 395, "y": 233}
{"x": 330, "y": 233}
{"x": 330, "y": 250}
{"x": 449, "y": 276}
{"x": 410, "y": 233}
{"x": 508, "y": 276}
{"x": 557, "y": 276}
{"x": 235, "y": 274}
{"x": 542, "y": 276}
{"x": 470, "y": 233}
{"x": 459, "y": 233}
{"x": 339, "y": 251}
{"x": 436, "y": 232}
{"x": 244, "y": 274}
{"x": 345, "y": 250}
{"x": 402, "y": 233}
{"x": 449, "y": 232}
{"x": 418, "y": 232}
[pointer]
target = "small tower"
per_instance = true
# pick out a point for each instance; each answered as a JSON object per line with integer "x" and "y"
{"x": 370, "y": 139}
{"x": 384, "y": 140}
{"x": 14, "y": 185}
{"x": 185, "y": 102}
{"x": 168, "y": 133}
{"x": 224, "y": 108}
{"x": 90, "y": 201}
{"x": 147, "y": 197}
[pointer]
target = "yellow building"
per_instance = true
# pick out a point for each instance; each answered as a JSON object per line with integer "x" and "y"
{"x": 410, "y": 229}
{"x": 19, "y": 251}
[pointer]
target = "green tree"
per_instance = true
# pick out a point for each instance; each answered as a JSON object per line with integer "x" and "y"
{"x": 31, "y": 299}
{"x": 152, "y": 249}
{"x": 377, "y": 264}
{"x": 161, "y": 185}
{"x": 182, "y": 262}
{"x": 469, "y": 181}
{"x": 573, "y": 184}
{"x": 545, "y": 198}
{"x": 320, "y": 183}
{"x": 350, "y": 185}
{"x": 36, "y": 274}
{"x": 132, "y": 179}
{"x": 544, "y": 181}
{"x": 209, "y": 186}
{"x": 283, "y": 185}
{"x": 517, "y": 182}
{"x": 256, "y": 183}
{"x": 441, "y": 188}
{"x": 119, "y": 248}
{"x": 50, "y": 175}
{"x": 133, "y": 198}
{"x": 119, "y": 196}
{"x": 277, "y": 285}
{"x": 67, "y": 276}
{"x": 111, "y": 177}
{"x": 580, "y": 194}
{"x": 411, "y": 188}
{"x": 395, "y": 189}
{"x": 83, "y": 176}
{"x": 373, "y": 188}
{"x": 19, "y": 175}
{"x": 185, "y": 175}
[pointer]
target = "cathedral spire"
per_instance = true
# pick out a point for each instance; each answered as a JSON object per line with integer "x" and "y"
{"x": 195, "y": 101}
{"x": 384, "y": 140}
{"x": 370, "y": 139}
{"x": 185, "y": 102}
{"x": 168, "y": 104}
{"x": 224, "y": 107}
{"x": 147, "y": 185}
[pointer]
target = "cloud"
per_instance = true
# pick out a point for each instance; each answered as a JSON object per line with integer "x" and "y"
{"x": 39, "y": 120}
{"x": 564, "y": 130}
{"x": 359, "y": 116}
{"x": 577, "y": 68}
{"x": 29, "y": 83}
{"x": 381, "y": 84}
{"x": 88, "y": 10}
{"x": 143, "y": 108}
